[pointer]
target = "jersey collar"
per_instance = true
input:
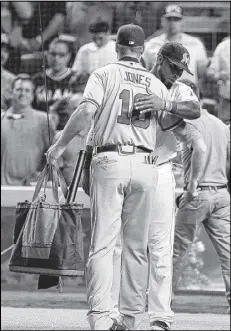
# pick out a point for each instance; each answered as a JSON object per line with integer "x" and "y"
{"x": 129, "y": 59}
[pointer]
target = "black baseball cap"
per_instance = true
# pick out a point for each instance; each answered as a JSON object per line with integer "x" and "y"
{"x": 130, "y": 35}
{"x": 177, "y": 54}
{"x": 173, "y": 11}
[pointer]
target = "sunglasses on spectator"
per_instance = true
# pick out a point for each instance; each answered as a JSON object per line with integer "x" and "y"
{"x": 57, "y": 54}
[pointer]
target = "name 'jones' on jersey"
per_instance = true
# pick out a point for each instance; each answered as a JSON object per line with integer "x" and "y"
{"x": 114, "y": 89}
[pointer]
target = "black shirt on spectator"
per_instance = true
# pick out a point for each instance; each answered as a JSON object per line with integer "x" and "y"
{"x": 48, "y": 10}
{"x": 57, "y": 88}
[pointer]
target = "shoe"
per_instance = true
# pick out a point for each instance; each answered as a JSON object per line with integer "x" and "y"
{"x": 117, "y": 326}
{"x": 159, "y": 325}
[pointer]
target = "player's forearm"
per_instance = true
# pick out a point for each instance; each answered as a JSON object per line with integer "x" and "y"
{"x": 183, "y": 109}
{"x": 198, "y": 160}
{"x": 78, "y": 124}
{"x": 189, "y": 110}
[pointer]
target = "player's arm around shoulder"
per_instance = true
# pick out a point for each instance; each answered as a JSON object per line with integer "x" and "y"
{"x": 187, "y": 103}
{"x": 187, "y": 107}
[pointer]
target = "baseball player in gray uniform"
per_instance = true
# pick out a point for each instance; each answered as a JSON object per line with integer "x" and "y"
{"x": 172, "y": 60}
{"x": 210, "y": 203}
{"x": 122, "y": 182}
{"x": 161, "y": 241}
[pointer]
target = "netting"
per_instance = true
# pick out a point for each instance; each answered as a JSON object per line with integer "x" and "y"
{"x": 31, "y": 27}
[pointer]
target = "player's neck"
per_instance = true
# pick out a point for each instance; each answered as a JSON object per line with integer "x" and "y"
{"x": 129, "y": 58}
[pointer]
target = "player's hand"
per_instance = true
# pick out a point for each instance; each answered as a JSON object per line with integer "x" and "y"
{"x": 149, "y": 103}
{"x": 86, "y": 181}
{"x": 53, "y": 153}
{"x": 192, "y": 190}
{"x": 151, "y": 158}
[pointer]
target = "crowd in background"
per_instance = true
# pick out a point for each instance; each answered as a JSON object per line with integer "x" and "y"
{"x": 48, "y": 51}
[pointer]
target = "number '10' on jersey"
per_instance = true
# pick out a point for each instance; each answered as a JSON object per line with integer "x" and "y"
{"x": 113, "y": 89}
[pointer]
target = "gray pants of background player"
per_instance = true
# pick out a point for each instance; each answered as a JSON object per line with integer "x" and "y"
{"x": 212, "y": 208}
{"x": 122, "y": 193}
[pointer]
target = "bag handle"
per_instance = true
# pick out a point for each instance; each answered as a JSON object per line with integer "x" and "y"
{"x": 56, "y": 178}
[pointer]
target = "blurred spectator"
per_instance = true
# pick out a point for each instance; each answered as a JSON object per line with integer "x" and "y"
{"x": 57, "y": 89}
{"x": 26, "y": 36}
{"x": 6, "y": 76}
{"x": 13, "y": 15}
{"x": 82, "y": 13}
{"x": 52, "y": 18}
{"x": 68, "y": 159}
{"x": 143, "y": 13}
{"x": 172, "y": 27}
{"x": 97, "y": 53}
{"x": 24, "y": 135}
{"x": 219, "y": 71}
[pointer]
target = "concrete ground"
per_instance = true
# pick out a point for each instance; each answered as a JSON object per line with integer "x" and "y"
{"x": 75, "y": 319}
{"x": 51, "y": 310}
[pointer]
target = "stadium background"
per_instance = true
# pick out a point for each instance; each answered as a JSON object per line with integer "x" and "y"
{"x": 206, "y": 20}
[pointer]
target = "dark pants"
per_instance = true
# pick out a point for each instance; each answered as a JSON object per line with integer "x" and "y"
{"x": 212, "y": 208}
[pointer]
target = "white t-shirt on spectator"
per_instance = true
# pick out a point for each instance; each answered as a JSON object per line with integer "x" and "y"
{"x": 91, "y": 57}
{"x": 221, "y": 62}
{"x": 194, "y": 46}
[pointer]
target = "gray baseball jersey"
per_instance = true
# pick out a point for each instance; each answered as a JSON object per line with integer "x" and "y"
{"x": 114, "y": 89}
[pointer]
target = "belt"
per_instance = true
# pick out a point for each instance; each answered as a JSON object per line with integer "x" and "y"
{"x": 121, "y": 149}
{"x": 209, "y": 187}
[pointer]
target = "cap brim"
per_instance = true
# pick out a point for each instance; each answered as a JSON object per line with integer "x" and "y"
{"x": 181, "y": 65}
{"x": 173, "y": 15}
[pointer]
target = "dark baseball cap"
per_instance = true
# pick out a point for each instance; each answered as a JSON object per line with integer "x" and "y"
{"x": 4, "y": 39}
{"x": 177, "y": 54}
{"x": 130, "y": 35}
{"x": 173, "y": 11}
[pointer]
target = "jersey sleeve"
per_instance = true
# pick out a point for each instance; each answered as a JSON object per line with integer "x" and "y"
{"x": 185, "y": 93}
{"x": 192, "y": 134}
{"x": 95, "y": 89}
{"x": 166, "y": 120}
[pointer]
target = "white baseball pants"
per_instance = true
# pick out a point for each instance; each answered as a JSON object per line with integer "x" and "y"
{"x": 160, "y": 251}
{"x": 122, "y": 193}
{"x": 161, "y": 237}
